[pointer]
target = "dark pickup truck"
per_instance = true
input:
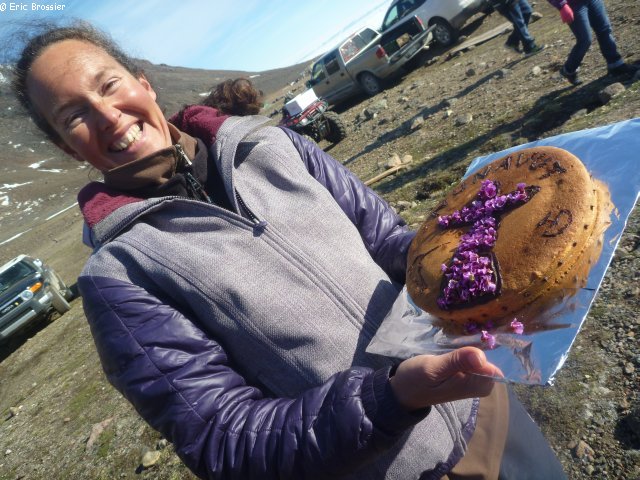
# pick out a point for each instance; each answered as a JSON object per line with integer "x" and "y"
{"x": 360, "y": 62}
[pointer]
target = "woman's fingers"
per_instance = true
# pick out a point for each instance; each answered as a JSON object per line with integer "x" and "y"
{"x": 432, "y": 379}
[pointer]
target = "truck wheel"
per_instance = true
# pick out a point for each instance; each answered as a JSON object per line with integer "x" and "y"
{"x": 58, "y": 301}
{"x": 370, "y": 83}
{"x": 337, "y": 130}
{"x": 444, "y": 33}
{"x": 66, "y": 292}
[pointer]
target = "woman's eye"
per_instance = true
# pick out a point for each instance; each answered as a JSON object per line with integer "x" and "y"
{"x": 111, "y": 85}
{"x": 73, "y": 120}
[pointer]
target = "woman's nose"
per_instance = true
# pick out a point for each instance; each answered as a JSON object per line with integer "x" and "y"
{"x": 107, "y": 115}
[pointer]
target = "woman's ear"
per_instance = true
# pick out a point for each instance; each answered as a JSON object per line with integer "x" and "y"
{"x": 147, "y": 86}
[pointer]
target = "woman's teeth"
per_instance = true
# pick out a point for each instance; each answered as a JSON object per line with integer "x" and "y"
{"x": 133, "y": 134}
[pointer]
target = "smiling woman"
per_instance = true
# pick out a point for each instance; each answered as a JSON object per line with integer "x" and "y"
{"x": 91, "y": 105}
{"x": 237, "y": 275}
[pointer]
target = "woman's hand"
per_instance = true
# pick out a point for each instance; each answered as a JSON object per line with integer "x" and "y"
{"x": 431, "y": 379}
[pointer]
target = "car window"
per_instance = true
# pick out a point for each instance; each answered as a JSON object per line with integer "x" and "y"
{"x": 317, "y": 73}
{"x": 356, "y": 43}
{"x": 398, "y": 11}
{"x": 14, "y": 274}
{"x": 331, "y": 63}
{"x": 368, "y": 35}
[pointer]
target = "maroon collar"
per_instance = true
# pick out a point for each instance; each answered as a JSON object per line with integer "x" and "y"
{"x": 200, "y": 122}
{"x": 96, "y": 200}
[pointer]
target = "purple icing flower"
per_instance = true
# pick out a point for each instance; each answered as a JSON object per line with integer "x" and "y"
{"x": 487, "y": 190}
{"x": 489, "y": 339}
{"x": 470, "y": 274}
{"x": 516, "y": 326}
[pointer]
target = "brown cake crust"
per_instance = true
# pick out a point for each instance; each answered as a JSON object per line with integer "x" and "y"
{"x": 544, "y": 247}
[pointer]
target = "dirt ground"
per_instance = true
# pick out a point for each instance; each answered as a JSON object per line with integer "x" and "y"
{"x": 59, "y": 418}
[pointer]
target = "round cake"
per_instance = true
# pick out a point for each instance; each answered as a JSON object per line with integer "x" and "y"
{"x": 523, "y": 230}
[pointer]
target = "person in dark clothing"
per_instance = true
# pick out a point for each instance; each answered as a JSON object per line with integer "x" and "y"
{"x": 582, "y": 16}
{"x": 518, "y": 12}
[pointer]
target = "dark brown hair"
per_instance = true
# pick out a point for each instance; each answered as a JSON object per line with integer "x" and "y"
{"x": 34, "y": 47}
{"x": 235, "y": 97}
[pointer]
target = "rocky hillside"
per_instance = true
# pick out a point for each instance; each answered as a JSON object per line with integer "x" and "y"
{"x": 60, "y": 419}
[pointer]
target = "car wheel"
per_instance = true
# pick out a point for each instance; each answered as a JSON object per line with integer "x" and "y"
{"x": 444, "y": 33}
{"x": 370, "y": 83}
{"x": 337, "y": 130}
{"x": 58, "y": 301}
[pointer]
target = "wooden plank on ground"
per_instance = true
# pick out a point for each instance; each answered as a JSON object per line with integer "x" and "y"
{"x": 477, "y": 40}
{"x": 384, "y": 174}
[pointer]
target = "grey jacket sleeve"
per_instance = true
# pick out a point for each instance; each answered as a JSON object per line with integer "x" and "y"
{"x": 385, "y": 234}
{"x": 181, "y": 382}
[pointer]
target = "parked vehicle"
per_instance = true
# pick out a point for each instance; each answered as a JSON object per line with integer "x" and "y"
{"x": 365, "y": 58}
{"x": 446, "y": 16}
{"x": 309, "y": 116}
{"x": 29, "y": 291}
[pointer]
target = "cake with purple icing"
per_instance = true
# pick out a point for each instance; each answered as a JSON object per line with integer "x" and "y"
{"x": 522, "y": 231}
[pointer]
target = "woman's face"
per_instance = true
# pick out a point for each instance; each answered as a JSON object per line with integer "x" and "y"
{"x": 102, "y": 113}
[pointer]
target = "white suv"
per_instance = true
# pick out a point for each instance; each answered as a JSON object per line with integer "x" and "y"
{"x": 448, "y": 16}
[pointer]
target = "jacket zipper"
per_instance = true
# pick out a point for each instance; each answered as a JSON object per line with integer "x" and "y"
{"x": 258, "y": 224}
{"x": 195, "y": 186}
{"x": 200, "y": 193}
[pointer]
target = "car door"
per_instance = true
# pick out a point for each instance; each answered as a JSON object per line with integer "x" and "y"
{"x": 317, "y": 81}
{"x": 330, "y": 79}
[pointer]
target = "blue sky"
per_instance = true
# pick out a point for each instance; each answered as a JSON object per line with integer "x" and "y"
{"x": 248, "y": 35}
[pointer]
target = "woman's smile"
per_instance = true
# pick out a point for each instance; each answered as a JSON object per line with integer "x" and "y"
{"x": 126, "y": 141}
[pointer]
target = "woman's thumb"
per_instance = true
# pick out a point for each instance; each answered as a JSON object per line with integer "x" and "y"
{"x": 466, "y": 359}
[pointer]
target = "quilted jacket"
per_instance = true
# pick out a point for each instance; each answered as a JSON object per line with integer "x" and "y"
{"x": 240, "y": 335}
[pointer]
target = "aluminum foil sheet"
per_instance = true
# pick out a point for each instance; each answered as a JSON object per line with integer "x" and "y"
{"x": 612, "y": 155}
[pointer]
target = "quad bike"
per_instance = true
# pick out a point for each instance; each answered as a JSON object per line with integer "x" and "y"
{"x": 308, "y": 115}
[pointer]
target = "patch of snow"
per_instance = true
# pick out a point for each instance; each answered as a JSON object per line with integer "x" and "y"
{"x": 13, "y": 185}
{"x": 14, "y": 237}
{"x": 61, "y": 211}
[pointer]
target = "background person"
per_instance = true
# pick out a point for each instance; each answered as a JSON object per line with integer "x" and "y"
{"x": 582, "y": 16}
{"x": 518, "y": 12}
{"x": 238, "y": 275}
{"x": 235, "y": 97}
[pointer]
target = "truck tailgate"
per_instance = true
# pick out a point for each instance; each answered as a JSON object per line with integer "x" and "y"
{"x": 406, "y": 40}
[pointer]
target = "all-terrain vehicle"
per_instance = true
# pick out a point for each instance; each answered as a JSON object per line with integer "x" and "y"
{"x": 309, "y": 116}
